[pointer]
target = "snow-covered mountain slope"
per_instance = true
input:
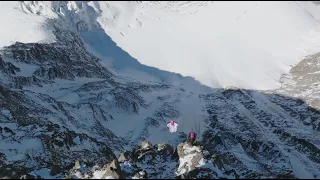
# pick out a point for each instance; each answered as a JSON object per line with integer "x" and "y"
{"x": 72, "y": 94}
{"x": 220, "y": 44}
{"x": 17, "y": 25}
{"x": 144, "y": 109}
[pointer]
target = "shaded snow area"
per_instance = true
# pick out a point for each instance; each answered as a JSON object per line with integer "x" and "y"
{"x": 24, "y": 68}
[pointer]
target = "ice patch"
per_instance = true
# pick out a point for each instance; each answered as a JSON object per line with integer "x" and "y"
{"x": 76, "y": 140}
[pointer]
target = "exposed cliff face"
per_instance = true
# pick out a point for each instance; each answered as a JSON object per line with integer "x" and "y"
{"x": 65, "y": 59}
{"x": 39, "y": 131}
{"x": 303, "y": 81}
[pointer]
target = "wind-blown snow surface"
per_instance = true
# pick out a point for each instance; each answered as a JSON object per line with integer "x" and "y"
{"x": 17, "y": 25}
{"x": 225, "y": 42}
{"x": 219, "y": 43}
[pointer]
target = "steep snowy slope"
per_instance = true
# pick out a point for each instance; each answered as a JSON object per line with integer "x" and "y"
{"x": 219, "y": 43}
{"x": 224, "y": 42}
{"x": 17, "y": 25}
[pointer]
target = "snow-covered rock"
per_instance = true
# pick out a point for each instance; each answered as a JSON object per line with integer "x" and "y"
{"x": 196, "y": 162}
{"x": 190, "y": 158}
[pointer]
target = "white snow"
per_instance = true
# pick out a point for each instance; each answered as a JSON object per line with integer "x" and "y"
{"x": 311, "y": 8}
{"x": 224, "y": 43}
{"x": 182, "y": 162}
{"x": 202, "y": 162}
{"x": 188, "y": 149}
{"x": 109, "y": 177}
{"x": 241, "y": 44}
{"x": 98, "y": 174}
{"x": 127, "y": 163}
{"x": 19, "y": 26}
{"x": 146, "y": 145}
{"x": 221, "y": 44}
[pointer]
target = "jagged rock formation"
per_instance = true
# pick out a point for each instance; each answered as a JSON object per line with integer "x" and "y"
{"x": 233, "y": 137}
{"x": 190, "y": 158}
{"x": 150, "y": 162}
{"x": 109, "y": 171}
{"x": 81, "y": 170}
{"x": 196, "y": 162}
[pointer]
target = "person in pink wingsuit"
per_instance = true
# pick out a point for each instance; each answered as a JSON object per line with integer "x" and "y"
{"x": 191, "y": 138}
{"x": 173, "y": 126}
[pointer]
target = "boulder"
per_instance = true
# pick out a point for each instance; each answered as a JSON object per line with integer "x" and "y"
{"x": 145, "y": 145}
